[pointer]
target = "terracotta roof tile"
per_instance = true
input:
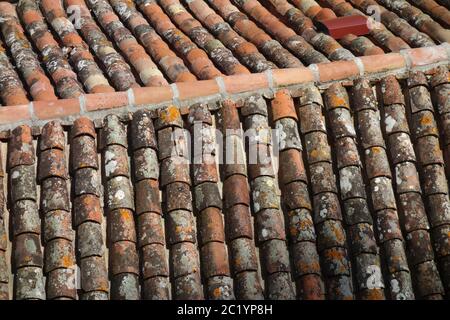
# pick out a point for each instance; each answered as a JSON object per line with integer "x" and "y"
{"x": 12, "y": 92}
{"x": 4, "y": 265}
{"x": 304, "y": 218}
{"x": 28, "y": 276}
{"x": 148, "y": 72}
{"x": 396, "y": 24}
{"x": 434, "y": 9}
{"x": 88, "y": 214}
{"x": 123, "y": 255}
{"x": 269, "y": 221}
{"x": 24, "y": 57}
{"x": 56, "y": 64}
{"x": 244, "y": 50}
{"x": 59, "y": 263}
{"x": 172, "y": 65}
{"x": 153, "y": 43}
{"x": 116, "y": 67}
{"x": 418, "y": 19}
{"x": 89, "y": 73}
{"x": 199, "y": 62}
{"x": 322, "y": 182}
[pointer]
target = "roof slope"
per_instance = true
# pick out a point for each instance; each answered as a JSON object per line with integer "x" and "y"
{"x": 350, "y": 201}
{"x": 223, "y": 150}
{"x": 63, "y": 49}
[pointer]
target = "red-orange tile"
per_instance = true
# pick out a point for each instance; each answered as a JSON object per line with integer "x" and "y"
{"x": 152, "y": 95}
{"x": 287, "y": 77}
{"x": 337, "y": 70}
{"x": 423, "y": 56}
{"x": 101, "y": 101}
{"x": 189, "y": 90}
{"x": 14, "y": 114}
{"x": 244, "y": 83}
{"x": 380, "y": 63}
{"x": 45, "y": 110}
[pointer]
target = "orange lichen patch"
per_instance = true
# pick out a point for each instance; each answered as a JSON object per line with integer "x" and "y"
{"x": 217, "y": 292}
{"x": 334, "y": 254}
{"x": 337, "y": 101}
{"x": 67, "y": 261}
{"x": 339, "y": 235}
{"x": 428, "y": 119}
{"x": 170, "y": 114}
{"x": 126, "y": 215}
{"x": 304, "y": 268}
{"x": 377, "y": 150}
{"x": 72, "y": 39}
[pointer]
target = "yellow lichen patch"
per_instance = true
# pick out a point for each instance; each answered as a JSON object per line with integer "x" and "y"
{"x": 181, "y": 229}
{"x": 67, "y": 261}
{"x": 395, "y": 261}
{"x": 217, "y": 292}
{"x": 125, "y": 215}
{"x": 294, "y": 231}
{"x": 374, "y": 295}
{"x": 335, "y": 254}
{"x": 317, "y": 153}
{"x": 339, "y": 235}
{"x": 376, "y": 150}
{"x": 104, "y": 287}
{"x": 170, "y": 114}
{"x": 426, "y": 120}
{"x": 437, "y": 149}
{"x": 305, "y": 268}
{"x": 304, "y": 224}
{"x": 337, "y": 101}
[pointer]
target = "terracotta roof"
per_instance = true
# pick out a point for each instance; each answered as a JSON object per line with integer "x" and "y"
{"x": 63, "y": 49}
{"x": 223, "y": 150}
{"x": 356, "y": 209}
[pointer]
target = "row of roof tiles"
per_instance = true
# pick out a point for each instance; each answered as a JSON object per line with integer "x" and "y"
{"x": 357, "y": 208}
{"x": 62, "y": 49}
{"x": 183, "y": 94}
